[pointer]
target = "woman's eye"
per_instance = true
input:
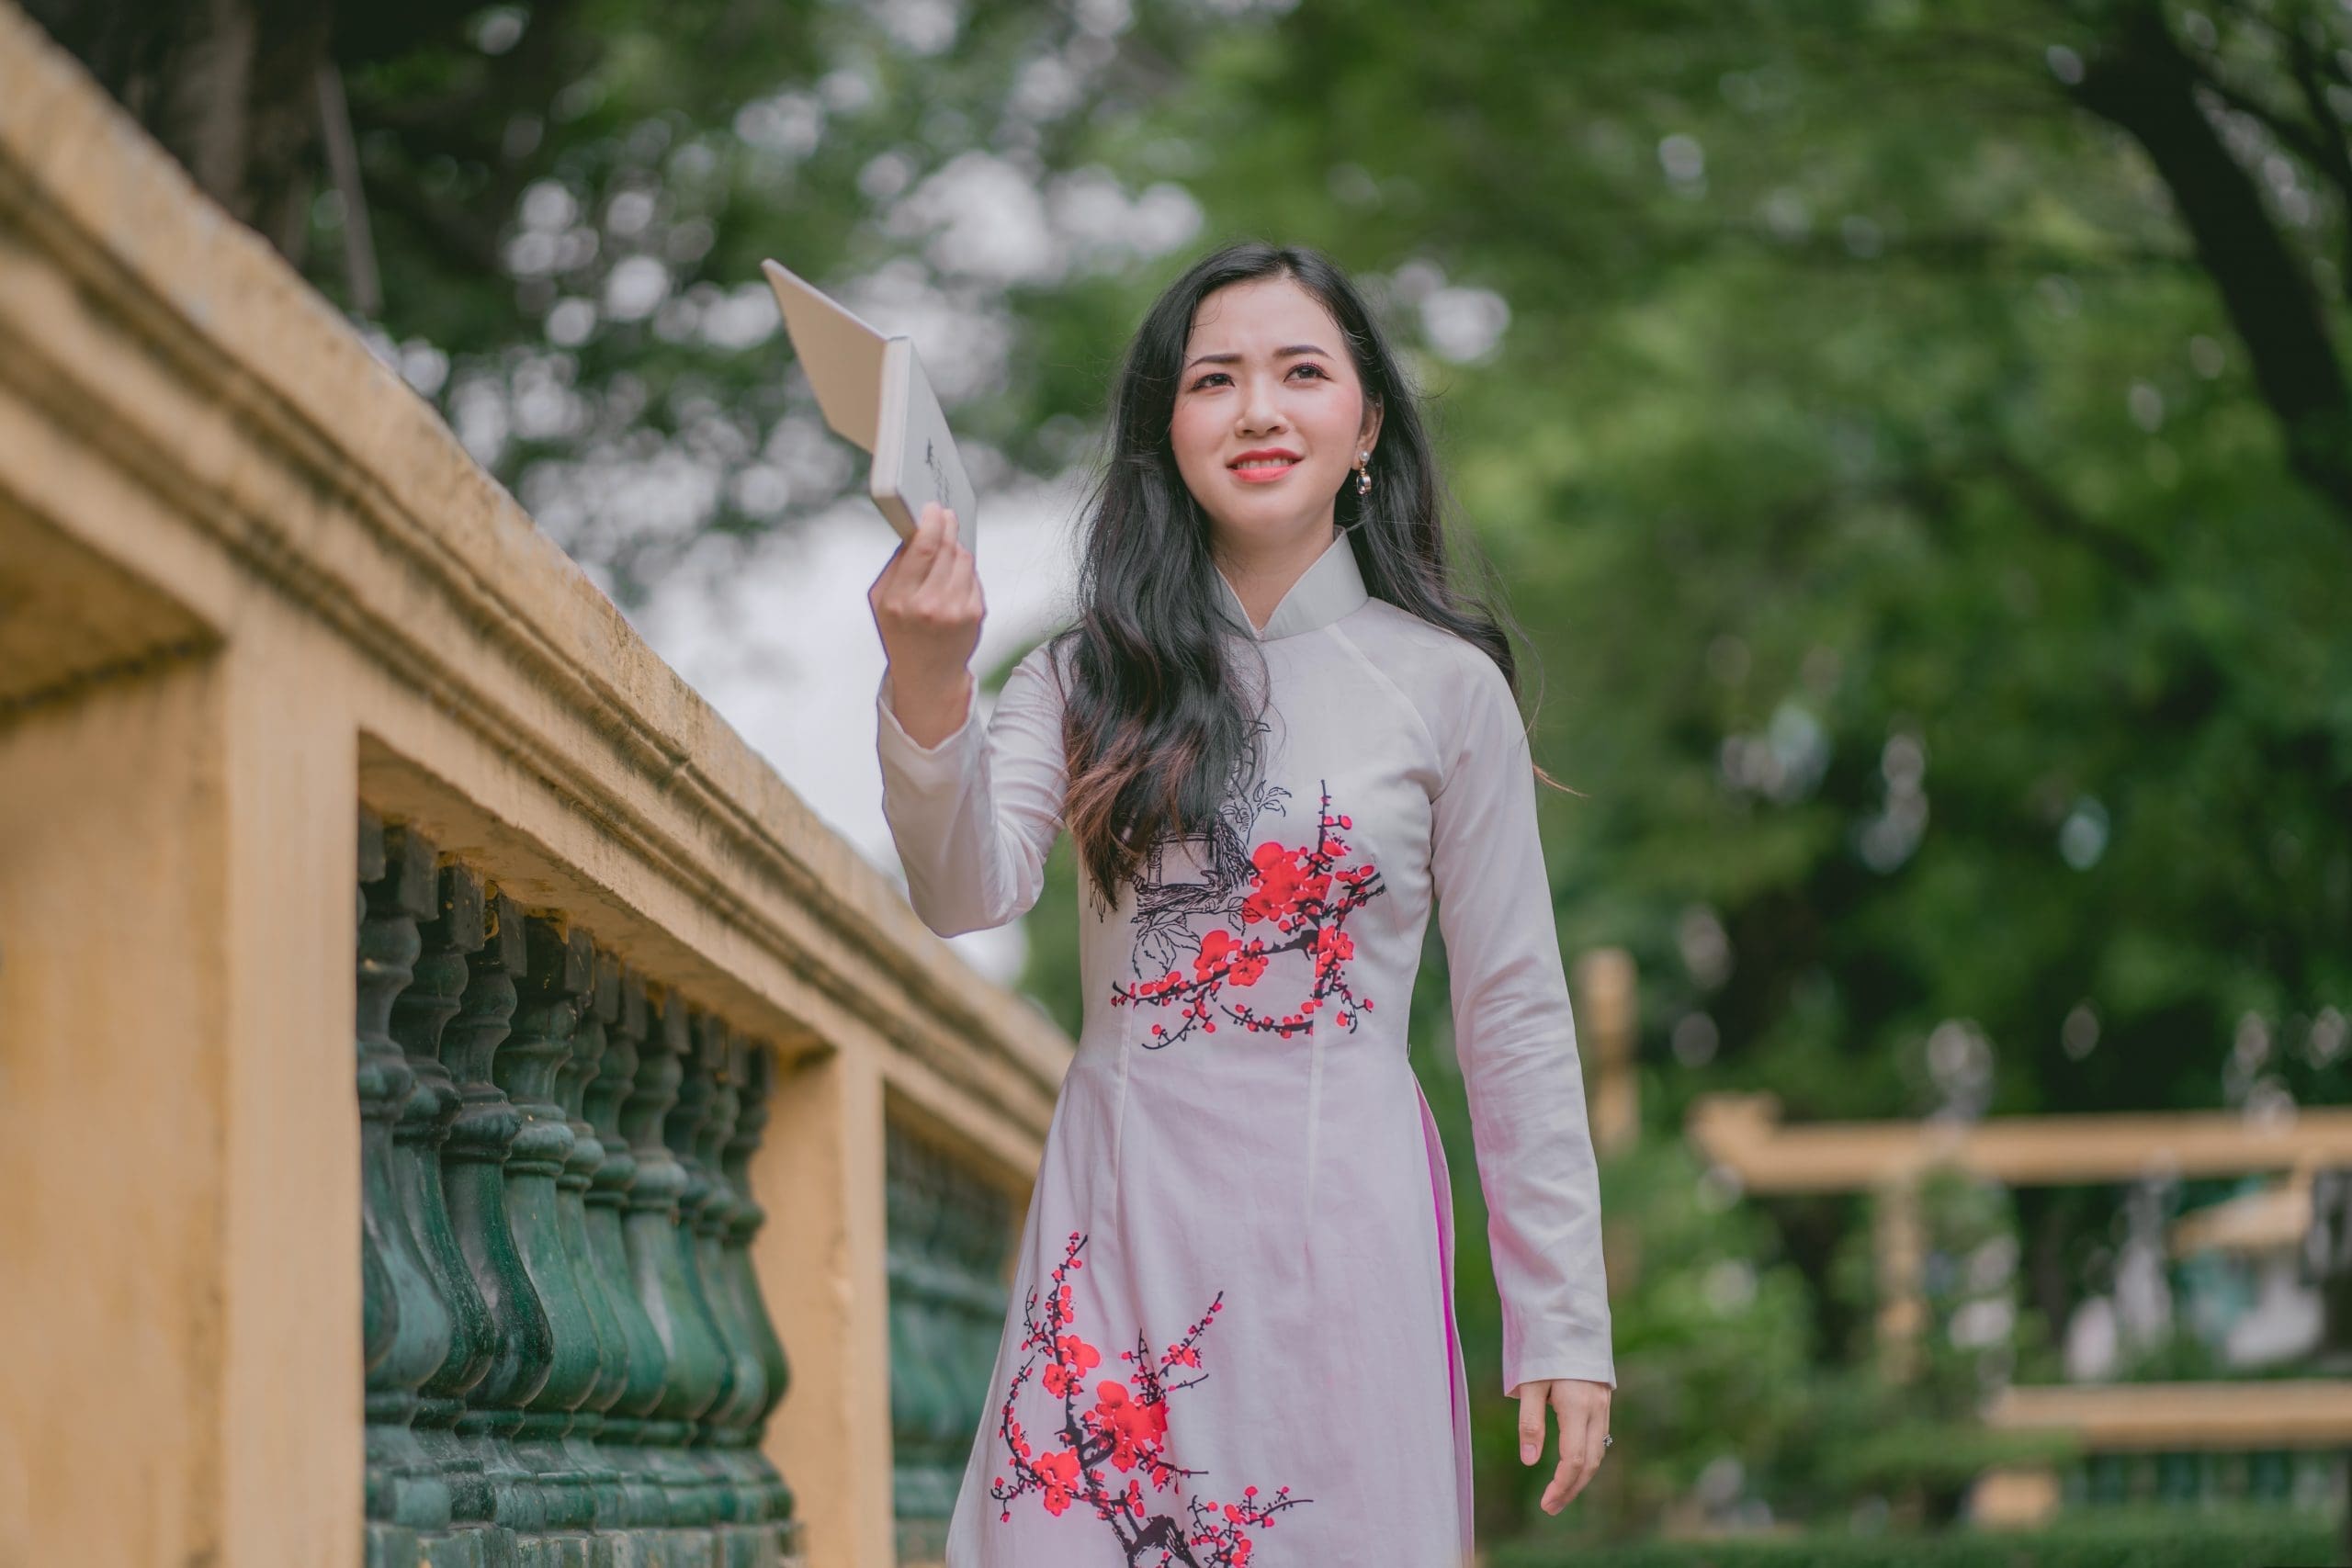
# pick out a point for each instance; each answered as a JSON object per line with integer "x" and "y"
{"x": 1316, "y": 371}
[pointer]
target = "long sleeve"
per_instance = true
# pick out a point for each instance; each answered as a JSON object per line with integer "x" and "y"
{"x": 1515, "y": 1037}
{"x": 974, "y": 817}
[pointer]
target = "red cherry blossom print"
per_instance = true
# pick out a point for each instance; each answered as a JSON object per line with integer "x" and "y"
{"x": 1125, "y": 1426}
{"x": 1057, "y": 1473}
{"x": 1070, "y": 1366}
{"x": 1292, "y": 900}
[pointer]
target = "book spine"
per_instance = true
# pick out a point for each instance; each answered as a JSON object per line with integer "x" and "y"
{"x": 886, "y": 480}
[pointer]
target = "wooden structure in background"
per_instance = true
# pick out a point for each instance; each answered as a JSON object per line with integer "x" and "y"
{"x": 1610, "y": 1024}
{"x": 1744, "y": 1134}
{"x": 2258, "y": 1413}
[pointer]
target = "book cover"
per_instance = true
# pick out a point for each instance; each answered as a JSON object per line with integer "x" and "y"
{"x": 872, "y": 389}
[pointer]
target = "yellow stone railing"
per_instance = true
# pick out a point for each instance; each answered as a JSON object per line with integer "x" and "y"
{"x": 257, "y": 610}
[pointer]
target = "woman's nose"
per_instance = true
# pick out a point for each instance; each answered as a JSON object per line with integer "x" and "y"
{"x": 1258, "y": 411}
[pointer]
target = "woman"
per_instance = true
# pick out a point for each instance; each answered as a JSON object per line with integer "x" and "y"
{"x": 1275, "y": 736}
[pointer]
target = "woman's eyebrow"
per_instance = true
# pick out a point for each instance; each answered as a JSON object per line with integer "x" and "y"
{"x": 1296, "y": 348}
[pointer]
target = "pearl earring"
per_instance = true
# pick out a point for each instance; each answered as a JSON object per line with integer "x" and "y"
{"x": 1363, "y": 475}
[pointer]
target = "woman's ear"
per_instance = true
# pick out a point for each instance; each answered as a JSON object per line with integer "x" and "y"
{"x": 1371, "y": 432}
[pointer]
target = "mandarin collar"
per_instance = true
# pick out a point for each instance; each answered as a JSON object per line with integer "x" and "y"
{"x": 1326, "y": 590}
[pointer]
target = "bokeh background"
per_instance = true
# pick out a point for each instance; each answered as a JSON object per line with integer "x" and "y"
{"x": 1917, "y": 444}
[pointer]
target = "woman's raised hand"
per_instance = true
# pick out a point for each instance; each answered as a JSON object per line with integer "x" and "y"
{"x": 928, "y": 607}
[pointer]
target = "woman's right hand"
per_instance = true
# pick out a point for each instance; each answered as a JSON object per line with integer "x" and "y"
{"x": 928, "y": 607}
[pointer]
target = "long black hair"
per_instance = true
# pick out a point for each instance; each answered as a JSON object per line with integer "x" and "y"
{"x": 1153, "y": 718}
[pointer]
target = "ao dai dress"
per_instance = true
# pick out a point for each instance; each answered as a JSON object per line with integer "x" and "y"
{"x": 1231, "y": 1338}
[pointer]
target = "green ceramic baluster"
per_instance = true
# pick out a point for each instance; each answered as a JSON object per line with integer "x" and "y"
{"x": 473, "y": 1176}
{"x": 914, "y": 1499}
{"x": 979, "y": 1247}
{"x": 419, "y": 1019}
{"x": 744, "y": 1222}
{"x": 948, "y": 1236}
{"x": 685, "y": 1131}
{"x": 585, "y": 1061}
{"x": 987, "y": 1235}
{"x": 944, "y": 1305}
{"x": 380, "y": 1315}
{"x": 619, "y": 1010}
{"x": 734, "y": 1423}
{"x": 405, "y": 1483}
{"x": 715, "y": 1432}
{"x": 380, "y": 1310}
{"x": 558, "y": 969}
{"x": 407, "y": 899}
{"x": 694, "y": 1364}
{"x": 925, "y": 1334}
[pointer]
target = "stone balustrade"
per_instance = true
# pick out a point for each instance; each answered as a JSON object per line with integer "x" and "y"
{"x": 569, "y": 1361}
{"x": 657, "y": 1218}
{"x": 950, "y": 1252}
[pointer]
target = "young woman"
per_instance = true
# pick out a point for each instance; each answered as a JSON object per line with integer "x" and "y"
{"x": 1275, "y": 734}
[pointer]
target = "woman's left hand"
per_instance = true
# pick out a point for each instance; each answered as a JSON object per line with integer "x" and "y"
{"x": 1584, "y": 1421}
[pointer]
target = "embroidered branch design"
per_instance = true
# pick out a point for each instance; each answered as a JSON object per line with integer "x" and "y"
{"x": 1165, "y": 906}
{"x": 1292, "y": 900}
{"x": 1125, "y": 1428}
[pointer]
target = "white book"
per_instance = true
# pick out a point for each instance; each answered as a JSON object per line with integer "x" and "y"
{"x": 871, "y": 387}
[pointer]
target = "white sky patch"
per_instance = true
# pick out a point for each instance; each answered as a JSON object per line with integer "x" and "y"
{"x": 478, "y": 411}
{"x": 665, "y": 494}
{"x": 985, "y": 221}
{"x": 1416, "y": 280}
{"x": 782, "y": 643}
{"x": 1460, "y": 323}
{"x": 629, "y": 212}
{"x": 920, "y": 26}
{"x": 741, "y": 318}
{"x": 634, "y": 286}
{"x": 1464, "y": 324}
{"x": 570, "y": 321}
{"x": 1048, "y": 89}
{"x": 846, "y": 89}
{"x": 550, "y": 205}
{"x": 810, "y": 456}
{"x": 993, "y": 223}
{"x": 1683, "y": 158}
{"x": 1089, "y": 206}
{"x": 544, "y": 407}
{"x": 964, "y": 338}
{"x": 787, "y": 124}
{"x": 885, "y": 175}
{"x": 1104, "y": 228}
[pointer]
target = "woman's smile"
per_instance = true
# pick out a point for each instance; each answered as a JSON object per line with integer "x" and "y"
{"x": 1264, "y": 464}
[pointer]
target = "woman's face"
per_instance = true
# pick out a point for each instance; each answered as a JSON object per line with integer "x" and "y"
{"x": 1269, "y": 413}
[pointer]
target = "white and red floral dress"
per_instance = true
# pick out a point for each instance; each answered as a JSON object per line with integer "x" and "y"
{"x": 1232, "y": 1338}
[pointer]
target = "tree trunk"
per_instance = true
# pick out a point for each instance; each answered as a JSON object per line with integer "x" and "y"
{"x": 229, "y": 86}
{"x": 2143, "y": 84}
